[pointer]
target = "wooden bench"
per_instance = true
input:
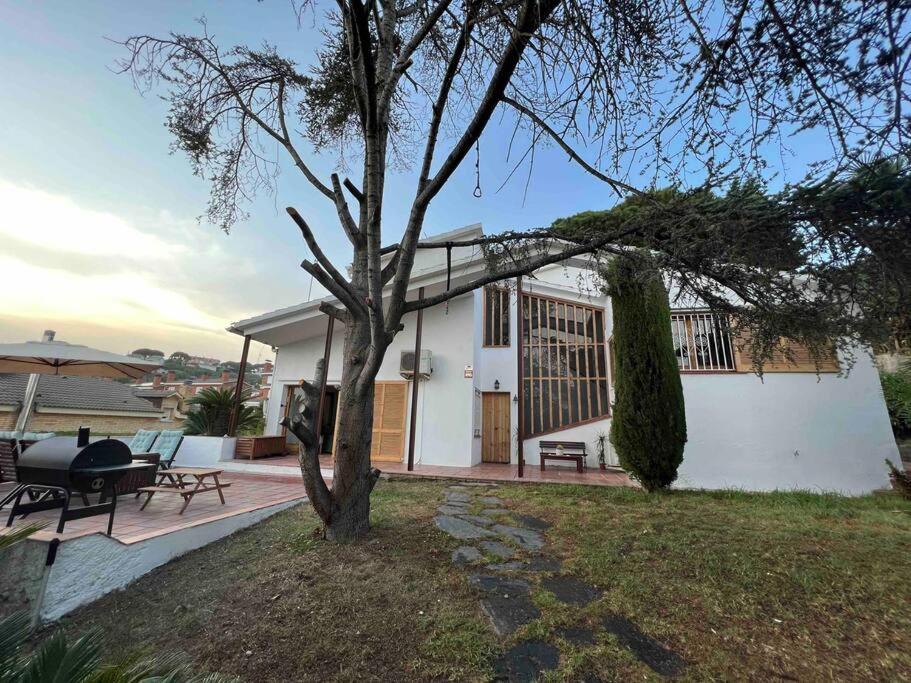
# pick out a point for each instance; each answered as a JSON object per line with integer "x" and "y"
{"x": 573, "y": 451}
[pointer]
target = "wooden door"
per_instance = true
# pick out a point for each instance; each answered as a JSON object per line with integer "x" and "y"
{"x": 390, "y": 402}
{"x": 496, "y": 431}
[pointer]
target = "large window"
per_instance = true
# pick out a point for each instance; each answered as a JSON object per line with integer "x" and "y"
{"x": 702, "y": 342}
{"x": 565, "y": 373}
{"x": 496, "y": 316}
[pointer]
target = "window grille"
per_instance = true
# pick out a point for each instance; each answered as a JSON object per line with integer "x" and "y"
{"x": 496, "y": 316}
{"x": 702, "y": 342}
{"x": 565, "y": 373}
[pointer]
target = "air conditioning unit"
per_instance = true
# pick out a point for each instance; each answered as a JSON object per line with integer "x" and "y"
{"x": 406, "y": 364}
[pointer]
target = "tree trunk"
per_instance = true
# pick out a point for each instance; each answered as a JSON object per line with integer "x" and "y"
{"x": 345, "y": 511}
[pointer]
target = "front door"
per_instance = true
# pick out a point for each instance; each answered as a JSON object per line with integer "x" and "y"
{"x": 496, "y": 431}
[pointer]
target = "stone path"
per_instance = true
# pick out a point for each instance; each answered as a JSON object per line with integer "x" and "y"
{"x": 508, "y": 561}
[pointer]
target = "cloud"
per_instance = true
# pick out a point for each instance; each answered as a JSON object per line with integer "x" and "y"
{"x": 152, "y": 275}
{"x": 56, "y": 223}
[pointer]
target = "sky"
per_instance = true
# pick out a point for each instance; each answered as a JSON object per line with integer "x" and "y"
{"x": 99, "y": 232}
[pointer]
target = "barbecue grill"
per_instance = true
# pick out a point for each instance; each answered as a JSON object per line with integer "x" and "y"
{"x": 50, "y": 471}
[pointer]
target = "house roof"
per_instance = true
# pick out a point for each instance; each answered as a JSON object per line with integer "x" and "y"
{"x": 154, "y": 393}
{"x": 86, "y": 393}
{"x": 431, "y": 272}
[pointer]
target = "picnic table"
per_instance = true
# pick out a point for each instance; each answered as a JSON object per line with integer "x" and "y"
{"x": 186, "y": 482}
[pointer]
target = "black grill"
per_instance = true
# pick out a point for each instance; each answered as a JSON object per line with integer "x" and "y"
{"x": 50, "y": 471}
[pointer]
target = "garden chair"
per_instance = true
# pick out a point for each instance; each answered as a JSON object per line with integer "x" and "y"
{"x": 143, "y": 440}
{"x": 166, "y": 446}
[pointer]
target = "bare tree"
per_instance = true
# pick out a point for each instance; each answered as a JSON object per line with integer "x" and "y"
{"x": 666, "y": 88}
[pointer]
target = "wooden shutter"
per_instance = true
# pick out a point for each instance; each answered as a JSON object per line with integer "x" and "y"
{"x": 800, "y": 361}
{"x": 389, "y": 404}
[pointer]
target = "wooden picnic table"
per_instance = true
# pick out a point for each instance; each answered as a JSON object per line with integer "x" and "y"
{"x": 187, "y": 482}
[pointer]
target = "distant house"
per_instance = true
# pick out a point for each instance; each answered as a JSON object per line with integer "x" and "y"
{"x": 63, "y": 404}
{"x": 203, "y": 363}
{"x": 189, "y": 387}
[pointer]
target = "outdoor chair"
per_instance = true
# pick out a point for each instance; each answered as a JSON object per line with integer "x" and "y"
{"x": 143, "y": 440}
{"x": 166, "y": 446}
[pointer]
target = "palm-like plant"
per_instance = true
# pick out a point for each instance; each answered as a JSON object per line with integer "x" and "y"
{"x": 60, "y": 661}
{"x": 210, "y": 412}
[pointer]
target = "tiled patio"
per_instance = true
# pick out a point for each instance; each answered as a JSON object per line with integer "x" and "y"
{"x": 247, "y": 493}
{"x": 481, "y": 472}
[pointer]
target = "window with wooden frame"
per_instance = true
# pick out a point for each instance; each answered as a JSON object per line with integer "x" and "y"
{"x": 702, "y": 342}
{"x": 564, "y": 363}
{"x": 496, "y": 316}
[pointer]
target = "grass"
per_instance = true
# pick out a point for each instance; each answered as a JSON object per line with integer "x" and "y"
{"x": 773, "y": 586}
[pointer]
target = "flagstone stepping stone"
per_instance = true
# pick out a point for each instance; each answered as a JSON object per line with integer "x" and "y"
{"x": 476, "y": 519}
{"x": 466, "y": 554}
{"x": 577, "y": 635}
{"x": 497, "y": 549}
{"x": 525, "y": 660}
{"x": 511, "y": 566}
{"x": 494, "y": 513}
{"x": 542, "y": 563}
{"x": 646, "y": 649}
{"x": 506, "y": 603}
{"x": 527, "y": 539}
{"x": 448, "y": 509}
{"x": 530, "y": 522}
{"x": 535, "y": 564}
{"x": 457, "y": 496}
{"x": 570, "y": 590}
{"x": 489, "y": 500}
{"x": 459, "y": 528}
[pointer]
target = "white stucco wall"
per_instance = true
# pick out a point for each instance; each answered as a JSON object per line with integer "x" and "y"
{"x": 89, "y": 567}
{"x": 787, "y": 431}
{"x": 443, "y": 435}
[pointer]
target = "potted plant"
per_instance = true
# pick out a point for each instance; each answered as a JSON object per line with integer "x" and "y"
{"x": 601, "y": 441}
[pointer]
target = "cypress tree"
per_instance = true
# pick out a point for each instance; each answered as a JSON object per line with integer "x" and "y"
{"x": 649, "y": 421}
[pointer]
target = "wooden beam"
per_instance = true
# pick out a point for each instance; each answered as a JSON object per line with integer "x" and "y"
{"x": 520, "y": 391}
{"x": 414, "y": 382}
{"x": 239, "y": 387}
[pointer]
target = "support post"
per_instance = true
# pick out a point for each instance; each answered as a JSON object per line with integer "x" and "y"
{"x": 414, "y": 382}
{"x": 239, "y": 387}
{"x": 322, "y": 389}
{"x": 28, "y": 403}
{"x": 520, "y": 384}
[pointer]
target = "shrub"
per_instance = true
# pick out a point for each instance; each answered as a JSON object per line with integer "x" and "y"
{"x": 897, "y": 392}
{"x": 649, "y": 422}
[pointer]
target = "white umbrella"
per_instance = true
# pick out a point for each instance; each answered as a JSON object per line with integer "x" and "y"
{"x": 49, "y": 357}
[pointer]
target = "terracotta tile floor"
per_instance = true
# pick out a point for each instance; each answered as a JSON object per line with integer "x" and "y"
{"x": 246, "y": 493}
{"x": 483, "y": 471}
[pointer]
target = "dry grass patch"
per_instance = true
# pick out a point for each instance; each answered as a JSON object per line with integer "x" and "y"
{"x": 273, "y": 603}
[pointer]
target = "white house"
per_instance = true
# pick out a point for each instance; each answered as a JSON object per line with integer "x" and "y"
{"x": 792, "y": 429}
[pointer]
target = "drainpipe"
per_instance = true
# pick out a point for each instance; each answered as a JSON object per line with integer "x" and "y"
{"x": 415, "y": 378}
{"x": 239, "y": 387}
{"x": 520, "y": 387}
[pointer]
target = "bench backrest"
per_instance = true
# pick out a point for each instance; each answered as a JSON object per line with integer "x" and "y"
{"x": 567, "y": 445}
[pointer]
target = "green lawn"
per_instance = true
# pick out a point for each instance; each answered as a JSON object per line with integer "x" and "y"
{"x": 778, "y": 586}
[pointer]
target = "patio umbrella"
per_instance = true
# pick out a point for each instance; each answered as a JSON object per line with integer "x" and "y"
{"x": 49, "y": 357}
